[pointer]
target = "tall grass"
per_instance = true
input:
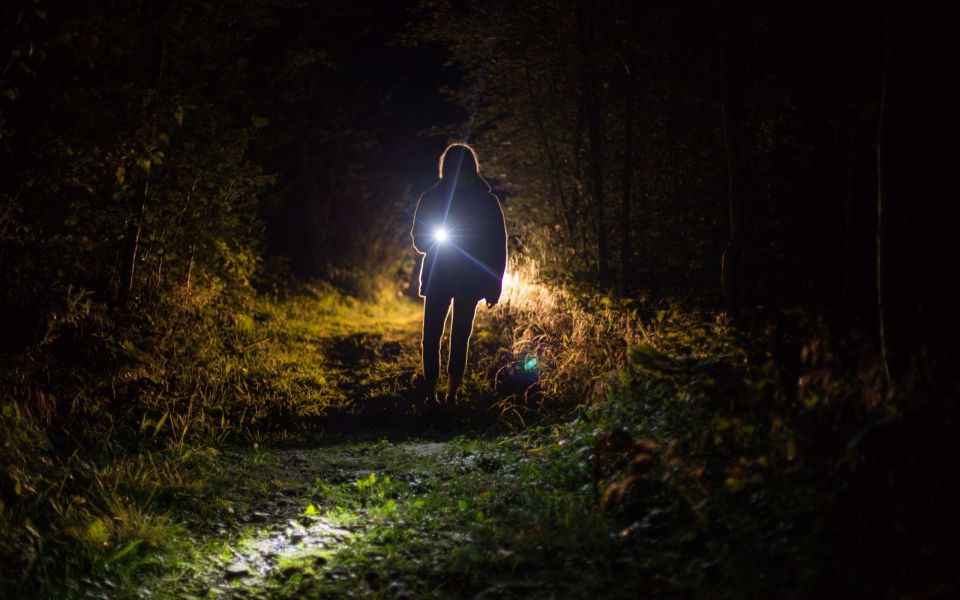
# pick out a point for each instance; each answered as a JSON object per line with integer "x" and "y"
{"x": 107, "y": 418}
{"x": 108, "y": 423}
{"x": 751, "y": 451}
{"x": 581, "y": 339}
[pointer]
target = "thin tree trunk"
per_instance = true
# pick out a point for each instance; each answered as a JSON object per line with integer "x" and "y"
{"x": 313, "y": 204}
{"x": 849, "y": 130}
{"x": 599, "y": 198}
{"x": 627, "y": 184}
{"x": 732, "y": 254}
{"x": 577, "y": 201}
{"x": 882, "y": 197}
{"x": 551, "y": 159}
{"x": 591, "y": 88}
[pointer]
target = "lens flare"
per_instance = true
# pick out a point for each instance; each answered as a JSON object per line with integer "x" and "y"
{"x": 440, "y": 234}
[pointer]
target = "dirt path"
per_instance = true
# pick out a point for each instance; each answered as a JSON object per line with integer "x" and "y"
{"x": 380, "y": 519}
{"x": 296, "y": 518}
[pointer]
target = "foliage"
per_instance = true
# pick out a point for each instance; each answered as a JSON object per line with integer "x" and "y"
{"x": 697, "y": 466}
{"x": 744, "y": 452}
{"x": 601, "y": 124}
{"x": 152, "y": 151}
{"x": 137, "y": 151}
{"x": 133, "y": 435}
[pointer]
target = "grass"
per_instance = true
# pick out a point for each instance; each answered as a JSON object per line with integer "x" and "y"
{"x": 601, "y": 446}
{"x": 452, "y": 522}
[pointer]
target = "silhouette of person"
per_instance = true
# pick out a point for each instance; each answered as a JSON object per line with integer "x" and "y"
{"x": 459, "y": 228}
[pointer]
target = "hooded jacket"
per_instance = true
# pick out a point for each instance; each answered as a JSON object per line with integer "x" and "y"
{"x": 471, "y": 261}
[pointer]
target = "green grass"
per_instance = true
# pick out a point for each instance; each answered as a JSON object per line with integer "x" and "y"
{"x": 457, "y": 521}
{"x": 647, "y": 452}
{"x": 496, "y": 510}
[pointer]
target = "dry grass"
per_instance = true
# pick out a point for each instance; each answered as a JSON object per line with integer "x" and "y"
{"x": 581, "y": 340}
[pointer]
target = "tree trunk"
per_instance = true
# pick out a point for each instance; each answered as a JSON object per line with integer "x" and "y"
{"x": 551, "y": 158}
{"x": 577, "y": 200}
{"x": 882, "y": 197}
{"x": 849, "y": 132}
{"x": 591, "y": 88}
{"x": 315, "y": 224}
{"x": 733, "y": 253}
{"x": 627, "y": 184}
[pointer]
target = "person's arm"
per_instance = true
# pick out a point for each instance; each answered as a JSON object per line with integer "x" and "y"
{"x": 499, "y": 247}
{"x": 422, "y": 239}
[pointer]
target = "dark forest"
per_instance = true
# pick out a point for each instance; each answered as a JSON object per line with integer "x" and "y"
{"x": 719, "y": 364}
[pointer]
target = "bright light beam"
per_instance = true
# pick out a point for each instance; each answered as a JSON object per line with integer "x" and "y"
{"x": 440, "y": 234}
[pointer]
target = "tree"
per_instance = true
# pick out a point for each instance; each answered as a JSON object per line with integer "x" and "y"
{"x": 587, "y": 35}
{"x": 730, "y": 112}
{"x": 882, "y": 191}
{"x": 626, "y": 195}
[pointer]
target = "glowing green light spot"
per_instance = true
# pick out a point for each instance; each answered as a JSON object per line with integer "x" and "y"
{"x": 530, "y": 364}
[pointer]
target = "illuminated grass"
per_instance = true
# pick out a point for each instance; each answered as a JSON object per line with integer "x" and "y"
{"x": 389, "y": 520}
{"x": 240, "y": 488}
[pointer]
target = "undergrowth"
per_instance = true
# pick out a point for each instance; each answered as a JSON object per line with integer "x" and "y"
{"x": 106, "y": 419}
{"x": 640, "y": 446}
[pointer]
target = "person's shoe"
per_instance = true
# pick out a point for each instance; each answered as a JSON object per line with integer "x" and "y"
{"x": 453, "y": 384}
{"x": 430, "y": 390}
{"x": 429, "y": 408}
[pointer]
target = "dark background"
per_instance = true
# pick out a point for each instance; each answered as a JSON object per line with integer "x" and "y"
{"x": 335, "y": 113}
{"x": 164, "y": 162}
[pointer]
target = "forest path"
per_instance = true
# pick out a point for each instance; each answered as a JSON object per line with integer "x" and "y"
{"x": 329, "y": 522}
{"x": 387, "y": 506}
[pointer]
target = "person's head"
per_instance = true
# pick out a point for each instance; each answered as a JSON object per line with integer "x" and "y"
{"x": 458, "y": 158}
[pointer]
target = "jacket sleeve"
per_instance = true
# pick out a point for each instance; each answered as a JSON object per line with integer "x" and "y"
{"x": 420, "y": 232}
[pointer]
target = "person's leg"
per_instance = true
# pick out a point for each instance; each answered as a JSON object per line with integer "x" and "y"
{"x": 434, "y": 314}
{"x": 463, "y": 312}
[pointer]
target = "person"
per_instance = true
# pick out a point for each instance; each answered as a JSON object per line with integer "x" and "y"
{"x": 459, "y": 228}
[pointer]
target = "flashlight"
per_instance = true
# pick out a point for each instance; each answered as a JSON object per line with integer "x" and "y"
{"x": 440, "y": 234}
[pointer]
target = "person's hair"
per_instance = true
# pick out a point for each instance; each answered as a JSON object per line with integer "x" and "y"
{"x": 451, "y": 161}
